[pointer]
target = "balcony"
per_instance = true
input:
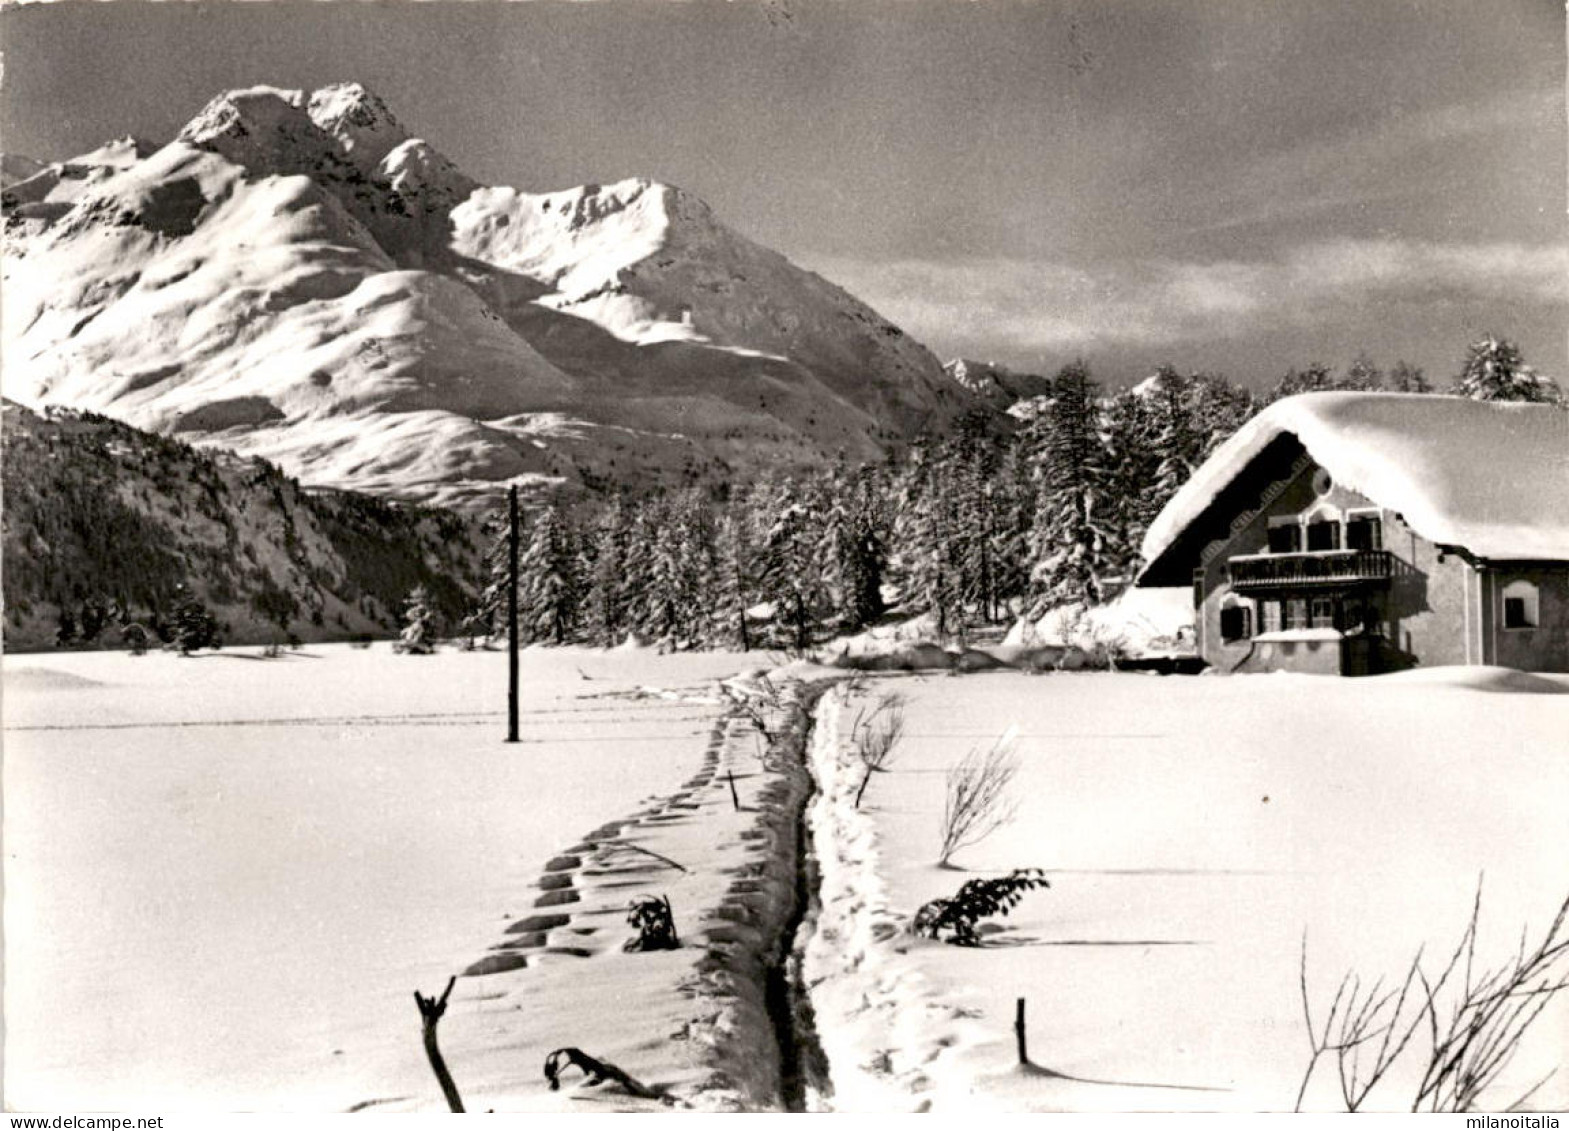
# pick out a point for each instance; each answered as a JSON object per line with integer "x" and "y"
{"x": 1314, "y": 569}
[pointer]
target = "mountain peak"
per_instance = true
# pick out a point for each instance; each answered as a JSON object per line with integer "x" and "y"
{"x": 358, "y": 120}
{"x": 269, "y": 129}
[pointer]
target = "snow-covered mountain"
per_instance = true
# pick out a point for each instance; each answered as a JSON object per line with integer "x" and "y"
{"x": 996, "y": 385}
{"x": 296, "y": 277}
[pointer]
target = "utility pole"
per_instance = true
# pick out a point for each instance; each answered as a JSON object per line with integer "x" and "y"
{"x": 512, "y": 613}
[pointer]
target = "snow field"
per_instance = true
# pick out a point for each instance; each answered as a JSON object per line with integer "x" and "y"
{"x": 1192, "y": 830}
{"x": 694, "y": 1022}
{"x": 225, "y": 876}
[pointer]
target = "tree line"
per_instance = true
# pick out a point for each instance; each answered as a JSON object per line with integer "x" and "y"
{"x": 971, "y": 528}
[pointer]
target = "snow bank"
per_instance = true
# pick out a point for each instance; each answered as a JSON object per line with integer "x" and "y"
{"x": 1139, "y": 623}
{"x": 1487, "y": 476}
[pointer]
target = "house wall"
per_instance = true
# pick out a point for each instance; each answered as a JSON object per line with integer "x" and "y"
{"x": 1544, "y": 648}
{"x": 1435, "y": 606}
{"x": 1437, "y": 612}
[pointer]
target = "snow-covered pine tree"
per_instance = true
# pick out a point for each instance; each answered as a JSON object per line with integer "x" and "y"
{"x": 1494, "y": 370}
{"x": 1408, "y": 378}
{"x": 790, "y": 574}
{"x": 852, "y": 534}
{"x": 194, "y": 626}
{"x": 1148, "y": 443}
{"x": 606, "y": 554}
{"x": 733, "y": 591}
{"x": 547, "y": 580}
{"x": 419, "y": 634}
{"x": 967, "y": 468}
{"x": 488, "y": 617}
{"x": 1315, "y": 378}
{"x": 1012, "y": 505}
{"x": 1067, "y": 540}
{"x": 1363, "y": 376}
{"x": 693, "y": 562}
{"x": 637, "y": 575}
{"x": 1219, "y": 409}
{"x": 926, "y": 538}
{"x": 664, "y": 602}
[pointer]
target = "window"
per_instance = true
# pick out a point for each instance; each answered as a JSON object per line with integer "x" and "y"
{"x": 1364, "y": 532}
{"x": 1293, "y": 613}
{"x": 1270, "y": 612}
{"x": 1236, "y": 623}
{"x": 1521, "y": 605}
{"x": 1323, "y": 536}
{"x": 1321, "y": 613}
{"x": 1285, "y": 536}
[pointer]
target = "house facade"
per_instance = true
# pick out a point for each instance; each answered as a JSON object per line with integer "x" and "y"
{"x": 1362, "y": 533}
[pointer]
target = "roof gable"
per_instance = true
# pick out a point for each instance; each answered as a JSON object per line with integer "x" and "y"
{"x": 1490, "y": 477}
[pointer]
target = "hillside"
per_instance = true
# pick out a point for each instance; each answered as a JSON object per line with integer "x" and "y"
{"x": 296, "y": 277}
{"x": 103, "y": 524}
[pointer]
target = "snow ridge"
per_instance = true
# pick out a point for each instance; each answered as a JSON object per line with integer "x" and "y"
{"x": 301, "y": 253}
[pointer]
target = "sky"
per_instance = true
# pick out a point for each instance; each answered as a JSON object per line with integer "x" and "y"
{"x": 1239, "y": 186}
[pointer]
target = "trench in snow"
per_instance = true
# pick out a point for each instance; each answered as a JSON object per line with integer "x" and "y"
{"x": 803, "y": 1066}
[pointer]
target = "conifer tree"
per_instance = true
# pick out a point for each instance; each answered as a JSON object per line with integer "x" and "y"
{"x": 547, "y": 581}
{"x": 927, "y": 540}
{"x": 1363, "y": 376}
{"x": 490, "y": 607}
{"x": 1408, "y": 378}
{"x": 194, "y": 626}
{"x": 607, "y": 556}
{"x": 1148, "y": 443}
{"x": 733, "y": 589}
{"x": 1494, "y": 370}
{"x": 790, "y": 570}
{"x": 419, "y": 635}
{"x": 1067, "y": 540}
{"x": 1012, "y": 504}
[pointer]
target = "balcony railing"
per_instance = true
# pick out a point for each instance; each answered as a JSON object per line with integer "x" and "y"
{"x": 1316, "y": 568}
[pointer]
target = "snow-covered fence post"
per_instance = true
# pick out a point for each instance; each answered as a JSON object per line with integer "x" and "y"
{"x": 430, "y": 1011}
{"x": 512, "y": 613}
{"x": 1018, "y": 1031}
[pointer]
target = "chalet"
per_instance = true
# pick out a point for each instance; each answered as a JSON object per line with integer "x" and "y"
{"x": 1357, "y": 533}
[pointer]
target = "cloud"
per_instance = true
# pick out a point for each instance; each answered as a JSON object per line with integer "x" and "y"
{"x": 1022, "y": 306}
{"x": 1393, "y": 159}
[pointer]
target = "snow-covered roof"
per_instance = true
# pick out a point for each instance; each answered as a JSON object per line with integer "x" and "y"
{"x": 1489, "y": 477}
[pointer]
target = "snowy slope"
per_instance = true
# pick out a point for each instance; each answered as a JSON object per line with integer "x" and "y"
{"x": 103, "y": 524}
{"x": 295, "y": 272}
{"x": 1491, "y": 477}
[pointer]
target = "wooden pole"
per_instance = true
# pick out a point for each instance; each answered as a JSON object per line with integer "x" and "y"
{"x": 512, "y": 613}
{"x": 735, "y": 798}
{"x": 430, "y": 1011}
{"x": 1018, "y": 1031}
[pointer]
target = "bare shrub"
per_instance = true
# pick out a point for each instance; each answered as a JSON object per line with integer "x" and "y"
{"x": 976, "y": 804}
{"x": 1475, "y": 1019}
{"x": 874, "y": 735}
